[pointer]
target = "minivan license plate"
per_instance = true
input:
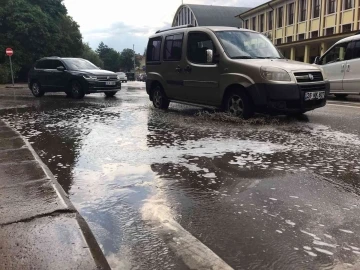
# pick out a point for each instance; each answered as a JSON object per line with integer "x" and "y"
{"x": 315, "y": 95}
{"x": 110, "y": 83}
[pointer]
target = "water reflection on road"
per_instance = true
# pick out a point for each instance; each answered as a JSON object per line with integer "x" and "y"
{"x": 277, "y": 193}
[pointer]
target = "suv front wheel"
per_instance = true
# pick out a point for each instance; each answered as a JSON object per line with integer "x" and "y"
{"x": 36, "y": 89}
{"x": 76, "y": 90}
{"x": 159, "y": 98}
{"x": 237, "y": 103}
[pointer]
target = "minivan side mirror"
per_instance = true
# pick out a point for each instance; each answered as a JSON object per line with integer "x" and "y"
{"x": 209, "y": 56}
{"x": 60, "y": 68}
{"x": 317, "y": 60}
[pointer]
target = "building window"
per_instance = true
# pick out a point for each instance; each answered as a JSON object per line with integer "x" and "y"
{"x": 302, "y": 10}
{"x": 271, "y": 17}
{"x": 278, "y": 41}
{"x": 301, "y": 36}
{"x": 329, "y": 31}
{"x": 331, "y": 6}
{"x": 289, "y": 39}
{"x": 254, "y": 23}
{"x": 314, "y": 34}
{"x": 348, "y": 4}
{"x": 347, "y": 27}
{"x": 290, "y": 13}
{"x": 262, "y": 23}
{"x": 280, "y": 17}
{"x": 316, "y": 8}
{"x": 247, "y": 24}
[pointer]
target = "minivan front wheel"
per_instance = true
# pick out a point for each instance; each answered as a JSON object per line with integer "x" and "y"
{"x": 159, "y": 99}
{"x": 36, "y": 89}
{"x": 76, "y": 90}
{"x": 238, "y": 104}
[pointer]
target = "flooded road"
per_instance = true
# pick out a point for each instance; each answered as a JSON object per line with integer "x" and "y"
{"x": 189, "y": 187}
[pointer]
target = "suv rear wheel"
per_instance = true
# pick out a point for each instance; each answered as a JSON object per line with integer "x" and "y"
{"x": 76, "y": 90}
{"x": 36, "y": 89}
{"x": 110, "y": 94}
{"x": 237, "y": 103}
{"x": 159, "y": 98}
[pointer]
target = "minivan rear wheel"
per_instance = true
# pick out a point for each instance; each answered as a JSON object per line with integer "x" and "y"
{"x": 159, "y": 98}
{"x": 237, "y": 103}
{"x": 36, "y": 89}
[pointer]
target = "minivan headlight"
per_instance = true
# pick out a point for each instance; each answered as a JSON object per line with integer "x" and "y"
{"x": 275, "y": 74}
{"x": 89, "y": 77}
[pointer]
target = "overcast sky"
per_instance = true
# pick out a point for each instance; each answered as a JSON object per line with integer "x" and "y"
{"x": 122, "y": 23}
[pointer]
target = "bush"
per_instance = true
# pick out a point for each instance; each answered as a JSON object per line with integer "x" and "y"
{"x": 5, "y": 75}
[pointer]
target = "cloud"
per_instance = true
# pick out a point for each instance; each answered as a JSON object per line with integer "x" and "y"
{"x": 120, "y": 24}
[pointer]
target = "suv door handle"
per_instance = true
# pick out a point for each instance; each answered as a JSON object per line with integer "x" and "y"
{"x": 178, "y": 69}
{"x": 342, "y": 67}
{"x": 348, "y": 68}
{"x": 188, "y": 69}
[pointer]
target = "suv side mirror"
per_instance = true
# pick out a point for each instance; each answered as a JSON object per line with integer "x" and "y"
{"x": 317, "y": 60}
{"x": 209, "y": 56}
{"x": 61, "y": 68}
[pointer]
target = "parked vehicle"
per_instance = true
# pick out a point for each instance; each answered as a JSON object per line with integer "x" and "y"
{"x": 130, "y": 76}
{"x": 122, "y": 77}
{"x": 74, "y": 76}
{"x": 142, "y": 77}
{"x": 237, "y": 70}
{"x": 341, "y": 64}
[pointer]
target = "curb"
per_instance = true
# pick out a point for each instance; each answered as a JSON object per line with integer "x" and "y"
{"x": 96, "y": 252}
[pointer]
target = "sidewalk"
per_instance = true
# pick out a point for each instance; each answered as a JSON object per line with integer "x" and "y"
{"x": 39, "y": 227}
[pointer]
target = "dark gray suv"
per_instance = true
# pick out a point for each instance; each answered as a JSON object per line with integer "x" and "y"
{"x": 74, "y": 76}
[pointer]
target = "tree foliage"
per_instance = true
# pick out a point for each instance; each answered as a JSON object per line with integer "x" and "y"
{"x": 92, "y": 56}
{"x": 35, "y": 29}
{"x": 109, "y": 56}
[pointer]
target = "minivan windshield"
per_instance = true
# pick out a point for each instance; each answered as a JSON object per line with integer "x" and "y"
{"x": 247, "y": 45}
{"x": 79, "y": 64}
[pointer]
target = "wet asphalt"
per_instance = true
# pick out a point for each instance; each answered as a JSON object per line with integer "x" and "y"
{"x": 271, "y": 193}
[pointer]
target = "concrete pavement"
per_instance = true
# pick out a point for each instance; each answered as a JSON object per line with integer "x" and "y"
{"x": 39, "y": 227}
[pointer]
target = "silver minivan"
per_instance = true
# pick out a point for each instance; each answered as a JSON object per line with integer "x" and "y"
{"x": 237, "y": 70}
{"x": 341, "y": 64}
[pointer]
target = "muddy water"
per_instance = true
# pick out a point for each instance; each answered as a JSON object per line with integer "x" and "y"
{"x": 276, "y": 193}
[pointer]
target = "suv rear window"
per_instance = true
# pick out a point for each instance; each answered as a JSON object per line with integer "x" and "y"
{"x": 153, "y": 50}
{"x": 173, "y": 47}
{"x": 43, "y": 64}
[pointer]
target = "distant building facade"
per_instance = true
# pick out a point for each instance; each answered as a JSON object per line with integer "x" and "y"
{"x": 304, "y": 29}
{"x": 204, "y": 15}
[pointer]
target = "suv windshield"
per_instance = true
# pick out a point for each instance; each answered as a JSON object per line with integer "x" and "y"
{"x": 79, "y": 64}
{"x": 247, "y": 45}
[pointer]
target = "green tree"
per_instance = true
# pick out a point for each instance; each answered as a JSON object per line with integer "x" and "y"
{"x": 127, "y": 60}
{"x": 34, "y": 29}
{"x": 109, "y": 56}
{"x": 92, "y": 56}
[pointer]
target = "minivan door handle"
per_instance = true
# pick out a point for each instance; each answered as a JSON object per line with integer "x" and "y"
{"x": 188, "y": 69}
{"x": 348, "y": 68}
{"x": 342, "y": 67}
{"x": 178, "y": 69}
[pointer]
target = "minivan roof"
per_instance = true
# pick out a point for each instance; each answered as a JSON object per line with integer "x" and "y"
{"x": 353, "y": 37}
{"x": 199, "y": 28}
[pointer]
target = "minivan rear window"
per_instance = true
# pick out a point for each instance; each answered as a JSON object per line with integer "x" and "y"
{"x": 173, "y": 47}
{"x": 153, "y": 50}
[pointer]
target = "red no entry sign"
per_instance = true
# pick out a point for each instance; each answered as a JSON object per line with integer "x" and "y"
{"x": 9, "y": 52}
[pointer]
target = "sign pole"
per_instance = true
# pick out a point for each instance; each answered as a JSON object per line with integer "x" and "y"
{"x": 12, "y": 73}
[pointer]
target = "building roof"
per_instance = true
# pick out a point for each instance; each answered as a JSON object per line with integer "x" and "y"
{"x": 216, "y": 15}
{"x": 250, "y": 10}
